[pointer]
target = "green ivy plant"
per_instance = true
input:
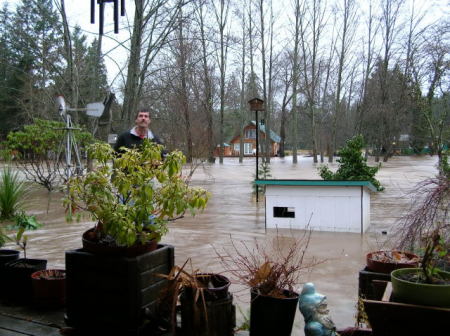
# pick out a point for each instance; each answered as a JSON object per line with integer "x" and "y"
{"x": 134, "y": 198}
{"x": 352, "y": 165}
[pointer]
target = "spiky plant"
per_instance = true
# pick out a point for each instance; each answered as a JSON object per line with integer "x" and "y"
{"x": 12, "y": 193}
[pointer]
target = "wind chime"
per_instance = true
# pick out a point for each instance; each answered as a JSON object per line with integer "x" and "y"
{"x": 101, "y": 15}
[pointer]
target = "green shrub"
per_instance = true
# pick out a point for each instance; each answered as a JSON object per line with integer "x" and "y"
{"x": 352, "y": 165}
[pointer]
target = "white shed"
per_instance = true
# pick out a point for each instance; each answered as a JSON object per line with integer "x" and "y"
{"x": 342, "y": 206}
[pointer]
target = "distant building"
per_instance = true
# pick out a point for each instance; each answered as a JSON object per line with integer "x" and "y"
{"x": 249, "y": 140}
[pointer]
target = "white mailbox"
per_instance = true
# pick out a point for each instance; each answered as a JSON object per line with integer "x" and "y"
{"x": 342, "y": 206}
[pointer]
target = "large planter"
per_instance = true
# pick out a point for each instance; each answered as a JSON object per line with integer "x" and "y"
{"x": 419, "y": 293}
{"x": 378, "y": 261}
{"x": 114, "y": 294}
{"x": 272, "y": 316}
{"x": 49, "y": 288}
{"x": 17, "y": 278}
{"x": 213, "y": 316}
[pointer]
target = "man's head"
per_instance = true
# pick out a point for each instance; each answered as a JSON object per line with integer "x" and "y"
{"x": 142, "y": 119}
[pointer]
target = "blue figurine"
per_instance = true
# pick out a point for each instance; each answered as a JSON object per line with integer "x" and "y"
{"x": 313, "y": 307}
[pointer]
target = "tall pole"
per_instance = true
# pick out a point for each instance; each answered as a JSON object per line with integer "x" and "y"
{"x": 256, "y": 105}
{"x": 257, "y": 152}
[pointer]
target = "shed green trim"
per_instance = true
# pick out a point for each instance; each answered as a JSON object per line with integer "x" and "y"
{"x": 321, "y": 183}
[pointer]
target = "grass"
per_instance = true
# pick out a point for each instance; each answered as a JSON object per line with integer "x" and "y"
{"x": 12, "y": 193}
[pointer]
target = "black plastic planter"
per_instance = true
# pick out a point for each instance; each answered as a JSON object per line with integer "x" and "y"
{"x": 17, "y": 278}
{"x": 6, "y": 256}
{"x": 107, "y": 294}
{"x": 272, "y": 316}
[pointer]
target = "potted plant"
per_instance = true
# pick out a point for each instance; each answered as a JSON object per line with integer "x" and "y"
{"x": 426, "y": 227}
{"x": 6, "y": 255}
{"x": 17, "y": 273}
{"x": 12, "y": 195}
{"x": 49, "y": 288}
{"x": 427, "y": 285}
{"x": 385, "y": 261}
{"x": 271, "y": 271}
{"x": 206, "y": 305}
{"x": 110, "y": 282}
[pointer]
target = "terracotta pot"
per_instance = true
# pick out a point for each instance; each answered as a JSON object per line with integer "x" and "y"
{"x": 95, "y": 247}
{"x": 49, "y": 287}
{"x": 381, "y": 266}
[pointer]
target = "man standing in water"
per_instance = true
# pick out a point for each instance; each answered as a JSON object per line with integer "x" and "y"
{"x": 135, "y": 136}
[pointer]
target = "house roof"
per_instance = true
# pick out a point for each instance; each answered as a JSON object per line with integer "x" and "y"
{"x": 273, "y": 136}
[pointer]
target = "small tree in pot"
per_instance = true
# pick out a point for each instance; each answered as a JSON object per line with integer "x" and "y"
{"x": 133, "y": 199}
{"x": 426, "y": 227}
{"x": 271, "y": 271}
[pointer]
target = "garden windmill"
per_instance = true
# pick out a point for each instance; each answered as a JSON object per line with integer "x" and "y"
{"x": 69, "y": 142}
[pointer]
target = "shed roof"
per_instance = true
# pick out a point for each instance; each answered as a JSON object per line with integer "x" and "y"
{"x": 323, "y": 183}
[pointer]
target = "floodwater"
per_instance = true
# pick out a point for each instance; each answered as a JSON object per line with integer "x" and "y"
{"x": 233, "y": 214}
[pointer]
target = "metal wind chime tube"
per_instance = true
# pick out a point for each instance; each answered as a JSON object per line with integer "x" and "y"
{"x": 101, "y": 13}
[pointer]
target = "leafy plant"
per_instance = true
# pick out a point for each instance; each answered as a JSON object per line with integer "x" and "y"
{"x": 24, "y": 222}
{"x": 269, "y": 268}
{"x": 37, "y": 149}
{"x": 352, "y": 165}
{"x": 134, "y": 199}
{"x": 12, "y": 193}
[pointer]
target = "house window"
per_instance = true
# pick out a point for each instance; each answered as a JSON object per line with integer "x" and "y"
{"x": 248, "y": 149}
{"x": 237, "y": 147}
{"x": 284, "y": 212}
{"x": 250, "y": 133}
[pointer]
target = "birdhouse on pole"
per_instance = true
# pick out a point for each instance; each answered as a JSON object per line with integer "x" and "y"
{"x": 256, "y": 104}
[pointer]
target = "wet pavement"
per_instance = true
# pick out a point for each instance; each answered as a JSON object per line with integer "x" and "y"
{"x": 232, "y": 213}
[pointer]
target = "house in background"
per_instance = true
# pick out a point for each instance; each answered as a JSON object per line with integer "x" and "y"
{"x": 250, "y": 142}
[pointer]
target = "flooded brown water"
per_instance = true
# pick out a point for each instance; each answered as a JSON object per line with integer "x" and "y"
{"x": 233, "y": 212}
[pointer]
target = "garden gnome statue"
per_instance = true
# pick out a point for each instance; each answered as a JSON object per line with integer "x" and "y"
{"x": 313, "y": 306}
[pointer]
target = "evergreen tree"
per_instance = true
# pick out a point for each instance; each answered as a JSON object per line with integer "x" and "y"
{"x": 352, "y": 165}
{"x": 36, "y": 39}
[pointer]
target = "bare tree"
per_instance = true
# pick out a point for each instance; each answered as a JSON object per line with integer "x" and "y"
{"x": 154, "y": 20}
{"x": 345, "y": 39}
{"x": 299, "y": 12}
{"x": 221, "y": 15}
{"x": 207, "y": 100}
{"x": 311, "y": 28}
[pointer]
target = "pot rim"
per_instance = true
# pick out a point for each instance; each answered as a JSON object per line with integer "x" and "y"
{"x": 36, "y": 274}
{"x": 295, "y": 294}
{"x": 416, "y": 269}
{"x": 408, "y": 254}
